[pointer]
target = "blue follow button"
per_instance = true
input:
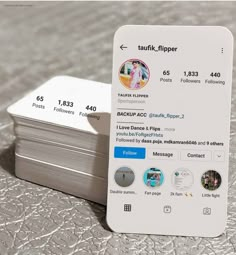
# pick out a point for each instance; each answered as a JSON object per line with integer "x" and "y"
{"x": 130, "y": 152}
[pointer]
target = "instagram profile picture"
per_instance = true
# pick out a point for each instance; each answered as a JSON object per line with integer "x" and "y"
{"x": 134, "y": 74}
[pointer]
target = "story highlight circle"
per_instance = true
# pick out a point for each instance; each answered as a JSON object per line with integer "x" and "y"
{"x": 182, "y": 179}
{"x": 153, "y": 177}
{"x": 211, "y": 180}
{"x": 124, "y": 176}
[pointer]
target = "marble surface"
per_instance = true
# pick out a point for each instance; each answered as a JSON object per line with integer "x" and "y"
{"x": 41, "y": 40}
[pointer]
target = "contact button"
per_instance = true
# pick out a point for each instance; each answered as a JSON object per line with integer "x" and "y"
{"x": 130, "y": 152}
{"x": 162, "y": 154}
{"x": 196, "y": 155}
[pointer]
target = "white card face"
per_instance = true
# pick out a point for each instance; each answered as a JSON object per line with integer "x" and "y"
{"x": 170, "y": 125}
{"x": 70, "y": 102}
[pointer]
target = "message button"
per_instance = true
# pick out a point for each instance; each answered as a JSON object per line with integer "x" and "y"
{"x": 162, "y": 154}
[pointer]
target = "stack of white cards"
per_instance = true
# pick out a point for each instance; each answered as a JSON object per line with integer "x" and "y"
{"x": 62, "y": 136}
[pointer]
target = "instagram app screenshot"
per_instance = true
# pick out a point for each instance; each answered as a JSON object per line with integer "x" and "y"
{"x": 170, "y": 125}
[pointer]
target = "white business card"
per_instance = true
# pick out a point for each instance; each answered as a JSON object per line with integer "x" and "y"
{"x": 170, "y": 125}
{"x": 69, "y": 102}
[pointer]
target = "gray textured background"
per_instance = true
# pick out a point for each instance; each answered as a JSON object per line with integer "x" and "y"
{"x": 41, "y": 40}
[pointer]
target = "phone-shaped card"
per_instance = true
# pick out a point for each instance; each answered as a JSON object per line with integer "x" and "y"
{"x": 170, "y": 127}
